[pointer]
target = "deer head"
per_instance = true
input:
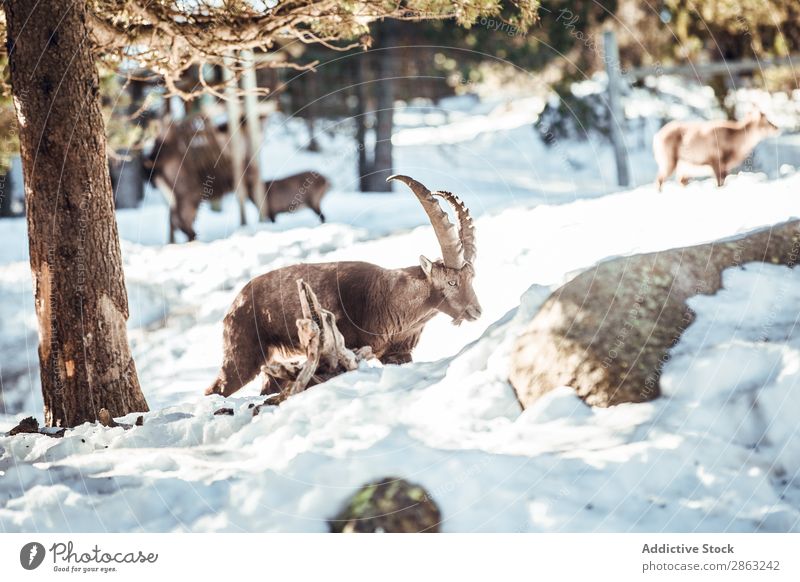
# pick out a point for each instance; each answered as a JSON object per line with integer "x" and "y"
{"x": 758, "y": 119}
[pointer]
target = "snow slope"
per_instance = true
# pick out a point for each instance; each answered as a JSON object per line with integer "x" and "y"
{"x": 717, "y": 452}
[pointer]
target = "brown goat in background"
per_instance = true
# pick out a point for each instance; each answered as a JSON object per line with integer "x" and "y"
{"x": 303, "y": 190}
{"x": 189, "y": 164}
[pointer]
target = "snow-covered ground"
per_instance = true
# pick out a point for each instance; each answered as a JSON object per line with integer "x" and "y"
{"x": 717, "y": 452}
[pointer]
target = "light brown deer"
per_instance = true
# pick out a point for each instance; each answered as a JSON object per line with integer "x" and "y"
{"x": 722, "y": 145}
{"x": 385, "y": 309}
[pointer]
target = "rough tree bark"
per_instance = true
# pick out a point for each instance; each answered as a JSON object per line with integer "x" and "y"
{"x": 384, "y": 114}
{"x": 81, "y": 303}
{"x": 375, "y": 73}
{"x": 362, "y": 97}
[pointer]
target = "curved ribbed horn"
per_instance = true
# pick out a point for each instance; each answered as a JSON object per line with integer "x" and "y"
{"x": 466, "y": 228}
{"x": 446, "y": 232}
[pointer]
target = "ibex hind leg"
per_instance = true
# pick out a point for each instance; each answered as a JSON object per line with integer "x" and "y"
{"x": 318, "y": 211}
{"x": 186, "y": 216}
{"x": 232, "y": 376}
{"x": 241, "y": 363}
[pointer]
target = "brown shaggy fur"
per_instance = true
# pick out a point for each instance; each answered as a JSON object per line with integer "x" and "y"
{"x": 382, "y": 308}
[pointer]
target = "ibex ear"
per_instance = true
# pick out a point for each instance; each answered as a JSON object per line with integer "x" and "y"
{"x": 427, "y": 265}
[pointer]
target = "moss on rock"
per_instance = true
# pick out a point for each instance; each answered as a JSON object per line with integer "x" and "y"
{"x": 391, "y": 505}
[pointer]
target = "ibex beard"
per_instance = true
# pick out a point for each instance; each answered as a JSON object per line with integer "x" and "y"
{"x": 385, "y": 309}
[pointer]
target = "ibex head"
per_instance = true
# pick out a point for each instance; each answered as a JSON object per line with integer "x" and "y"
{"x": 451, "y": 277}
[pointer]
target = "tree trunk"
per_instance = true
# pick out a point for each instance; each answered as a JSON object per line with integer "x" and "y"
{"x": 362, "y": 96}
{"x": 81, "y": 303}
{"x": 384, "y": 115}
{"x": 720, "y": 86}
{"x": 312, "y": 95}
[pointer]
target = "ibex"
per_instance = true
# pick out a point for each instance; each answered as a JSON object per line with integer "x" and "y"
{"x": 188, "y": 165}
{"x": 303, "y": 190}
{"x": 723, "y": 145}
{"x": 385, "y": 309}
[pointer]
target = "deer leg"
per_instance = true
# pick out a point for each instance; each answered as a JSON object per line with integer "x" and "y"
{"x": 187, "y": 212}
{"x": 665, "y": 170}
{"x": 178, "y": 223}
{"x": 318, "y": 211}
{"x": 171, "y": 233}
{"x": 684, "y": 180}
{"x": 169, "y": 195}
{"x": 720, "y": 173}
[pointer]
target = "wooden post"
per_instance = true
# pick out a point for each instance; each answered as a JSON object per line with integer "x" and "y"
{"x": 615, "y": 110}
{"x": 235, "y": 141}
{"x": 253, "y": 129}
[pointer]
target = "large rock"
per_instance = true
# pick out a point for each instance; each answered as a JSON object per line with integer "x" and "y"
{"x": 390, "y": 505}
{"x": 607, "y": 332}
